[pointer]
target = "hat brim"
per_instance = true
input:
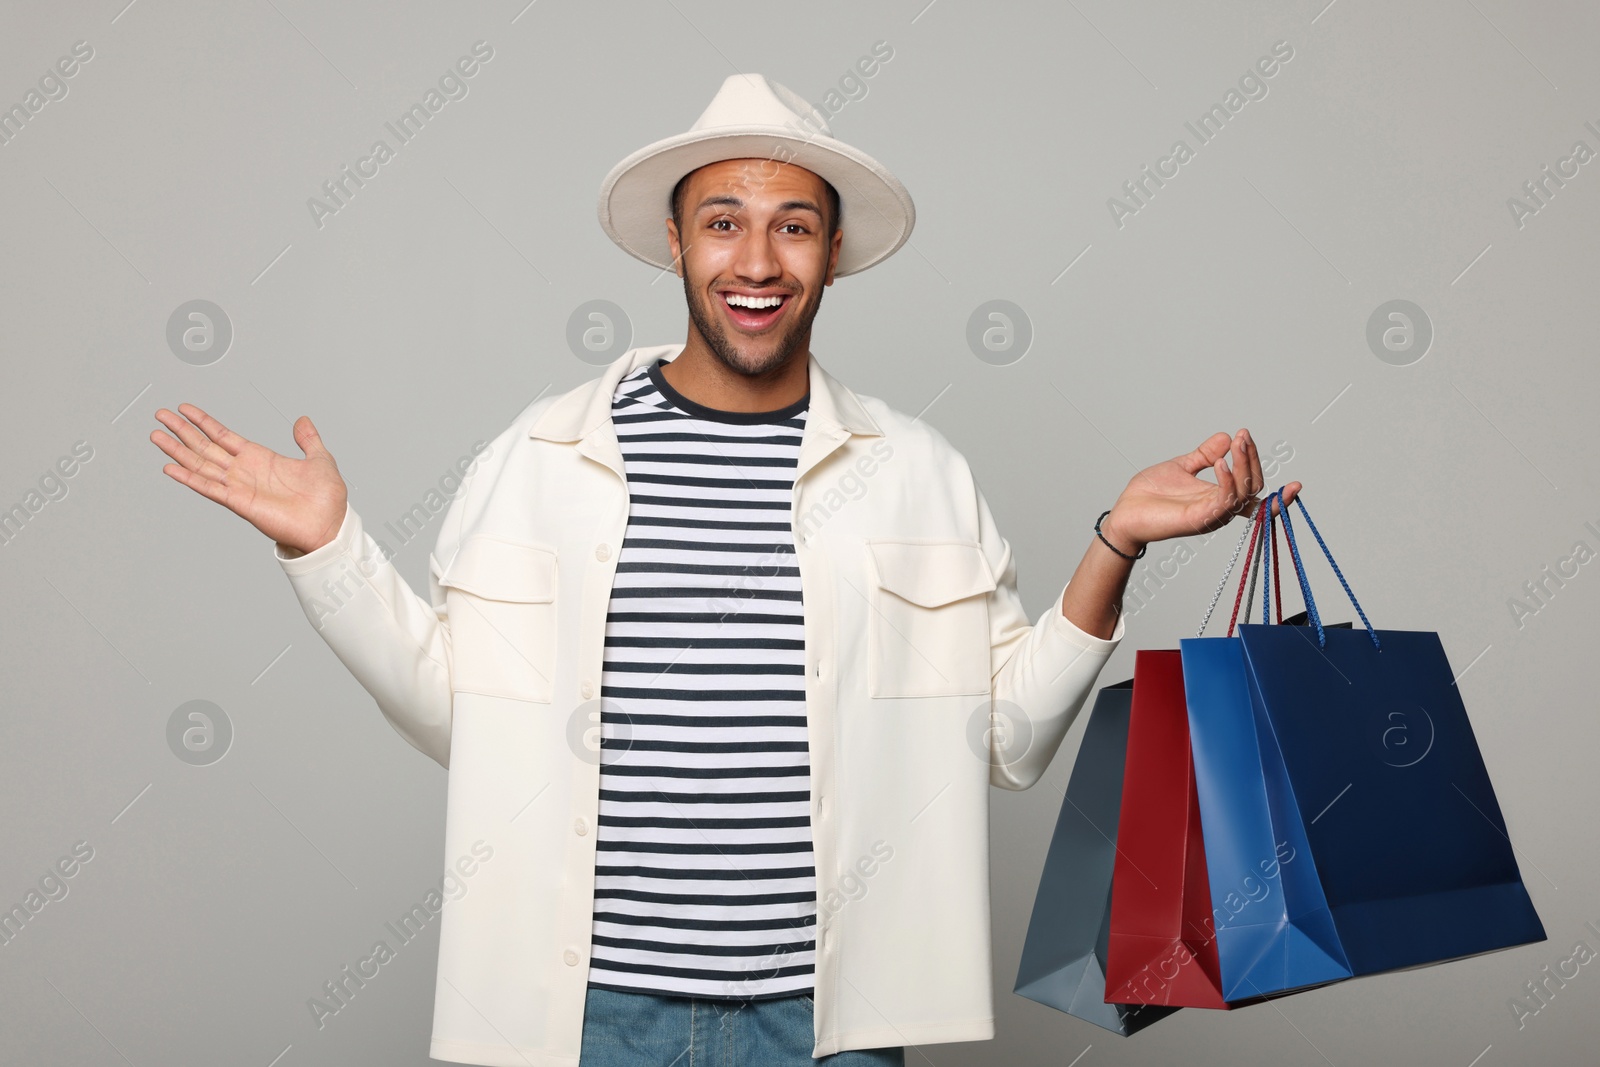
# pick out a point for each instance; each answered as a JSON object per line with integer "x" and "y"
{"x": 876, "y": 212}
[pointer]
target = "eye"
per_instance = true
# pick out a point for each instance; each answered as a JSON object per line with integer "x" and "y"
{"x": 714, "y": 222}
{"x": 795, "y": 225}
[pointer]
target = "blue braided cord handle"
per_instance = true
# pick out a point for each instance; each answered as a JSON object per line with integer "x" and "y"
{"x": 1299, "y": 569}
{"x": 1348, "y": 591}
{"x": 1306, "y": 588}
{"x": 1266, "y": 564}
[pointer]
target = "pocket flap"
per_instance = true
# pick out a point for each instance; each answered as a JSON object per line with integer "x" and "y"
{"x": 503, "y": 570}
{"x": 931, "y": 573}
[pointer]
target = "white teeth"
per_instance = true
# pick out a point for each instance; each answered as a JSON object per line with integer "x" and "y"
{"x": 738, "y": 300}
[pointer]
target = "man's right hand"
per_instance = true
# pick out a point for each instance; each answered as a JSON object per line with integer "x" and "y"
{"x": 297, "y": 502}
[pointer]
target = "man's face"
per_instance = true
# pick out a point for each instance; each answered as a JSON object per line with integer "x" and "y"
{"x": 754, "y": 229}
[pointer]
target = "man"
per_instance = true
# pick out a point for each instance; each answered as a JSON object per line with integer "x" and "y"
{"x": 786, "y": 611}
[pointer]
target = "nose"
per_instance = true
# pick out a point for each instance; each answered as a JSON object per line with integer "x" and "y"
{"x": 756, "y": 260}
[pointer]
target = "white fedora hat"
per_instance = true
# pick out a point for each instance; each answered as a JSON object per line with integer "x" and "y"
{"x": 754, "y": 117}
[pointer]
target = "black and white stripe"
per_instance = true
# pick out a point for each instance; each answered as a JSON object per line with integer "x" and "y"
{"x": 705, "y": 882}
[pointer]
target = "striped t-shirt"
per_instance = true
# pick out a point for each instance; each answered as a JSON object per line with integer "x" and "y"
{"x": 705, "y": 883}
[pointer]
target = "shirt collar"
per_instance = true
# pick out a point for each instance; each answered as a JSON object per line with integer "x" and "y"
{"x": 573, "y": 415}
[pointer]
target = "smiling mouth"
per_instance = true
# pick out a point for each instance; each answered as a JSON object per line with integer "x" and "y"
{"x": 754, "y": 319}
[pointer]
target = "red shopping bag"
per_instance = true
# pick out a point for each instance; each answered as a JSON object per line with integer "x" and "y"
{"x": 1162, "y": 947}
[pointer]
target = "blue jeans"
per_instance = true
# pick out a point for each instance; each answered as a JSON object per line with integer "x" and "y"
{"x": 650, "y": 1030}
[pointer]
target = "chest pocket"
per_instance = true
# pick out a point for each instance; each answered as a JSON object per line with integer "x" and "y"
{"x": 501, "y": 599}
{"x": 928, "y": 634}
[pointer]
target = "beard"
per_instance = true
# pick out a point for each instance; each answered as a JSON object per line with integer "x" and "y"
{"x": 759, "y": 356}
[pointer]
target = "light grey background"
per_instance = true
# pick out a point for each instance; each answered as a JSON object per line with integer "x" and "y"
{"x": 434, "y": 305}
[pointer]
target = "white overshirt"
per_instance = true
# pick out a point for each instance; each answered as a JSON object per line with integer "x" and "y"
{"x": 925, "y": 684}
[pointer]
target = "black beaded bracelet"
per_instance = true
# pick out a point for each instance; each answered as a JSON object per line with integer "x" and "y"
{"x": 1108, "y": 544}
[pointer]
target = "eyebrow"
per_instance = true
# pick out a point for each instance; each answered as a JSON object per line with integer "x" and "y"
{"x": 735, "y": 203}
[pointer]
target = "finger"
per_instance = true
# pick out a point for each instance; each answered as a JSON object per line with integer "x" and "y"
{"x": 1278, "y": 502}
{"x": 1225, "y": 483}
{"x": 195, "y": 453}
{"x": 1210, "y": 451}
{"x": 229, "y": 441}
{"x": 190, "y": 435}
{"x": 1243, "y": 491}
{"x": 307, "y": 437}
{"x": 186, "y": 457}
{"x": 206, "y": 487}
{"x": 1241, "y": 471}
{"x": 1257, "y": 479}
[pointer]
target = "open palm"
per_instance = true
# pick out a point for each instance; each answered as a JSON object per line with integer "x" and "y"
{"x": 1171, "y": 500}
{"x": 299, "y": 502}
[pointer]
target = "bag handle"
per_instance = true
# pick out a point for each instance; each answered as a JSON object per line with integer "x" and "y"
{"x": 1275, "y": 579}
{"x": 1247, "y": 535}
{"x": 1252, "y": 564}
{"x": 1253, "y": 569}
{"x": 1277, "y": 583}
{"x": 1268, "y": 578}
{"x": 1252, "y": 574}
{"x": 1300, "y": 571}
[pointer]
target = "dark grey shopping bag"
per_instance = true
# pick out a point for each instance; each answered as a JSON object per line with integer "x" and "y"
{"x": 1064, "y": 955}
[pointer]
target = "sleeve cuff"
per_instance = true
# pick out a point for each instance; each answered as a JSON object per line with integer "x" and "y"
{"x": 295, "y": 561}
{"x": 1080, "y": 637}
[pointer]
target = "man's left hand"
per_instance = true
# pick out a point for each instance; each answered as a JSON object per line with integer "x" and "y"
{"x": 1170, "y": 500}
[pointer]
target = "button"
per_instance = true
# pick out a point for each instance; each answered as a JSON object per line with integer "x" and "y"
{"x": 602, "y": 552}
{"x": 571, "y": 957}
{"x": 588, "y": 690}
{"x": 580, "y": 827}
{"x": 819, "y": 804}
{"x": 819, "y": 668}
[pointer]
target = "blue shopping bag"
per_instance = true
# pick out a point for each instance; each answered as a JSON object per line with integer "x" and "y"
{"x": 1273, "y": 929}
{"x": 1064, "y": 954}
{"x": 1352, "y": 749}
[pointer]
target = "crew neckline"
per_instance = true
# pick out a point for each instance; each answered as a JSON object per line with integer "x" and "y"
{"x": 701, "y": 411}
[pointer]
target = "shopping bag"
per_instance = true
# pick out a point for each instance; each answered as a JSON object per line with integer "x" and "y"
{"x": 1160, "y": 949}
{"x": 1273, "y": 929}
{"x": 1371, "y": 751}
{"x": 1064, "y": 953}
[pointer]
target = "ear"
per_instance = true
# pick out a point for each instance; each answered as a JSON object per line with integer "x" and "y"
{"x": 675, "y": 246}
{"x": 833, "y": 255}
